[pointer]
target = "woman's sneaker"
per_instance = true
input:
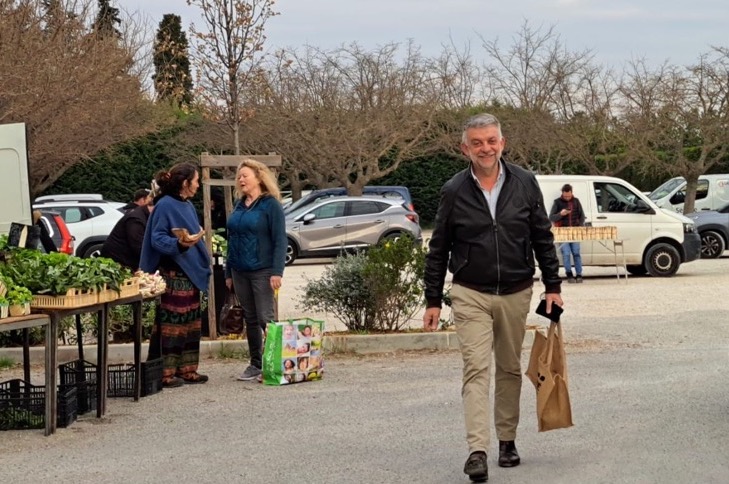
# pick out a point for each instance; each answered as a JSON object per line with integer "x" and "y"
{"x": 250, "y": 374}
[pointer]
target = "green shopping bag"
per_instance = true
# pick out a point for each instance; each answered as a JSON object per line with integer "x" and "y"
{"x": 293, "y": 351}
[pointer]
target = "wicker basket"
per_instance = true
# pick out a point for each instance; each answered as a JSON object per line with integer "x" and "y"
{"x": 74, "y": 298}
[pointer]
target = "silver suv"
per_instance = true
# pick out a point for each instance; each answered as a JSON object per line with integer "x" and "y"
{"x": 334, "y": 225}
{"x": 89, "y": 218}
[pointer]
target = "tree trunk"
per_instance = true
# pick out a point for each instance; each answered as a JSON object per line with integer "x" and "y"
{"x": 692, "y": 182}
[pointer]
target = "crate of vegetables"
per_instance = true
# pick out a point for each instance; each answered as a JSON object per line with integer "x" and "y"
{"x": 63, "y": 281}
{"x": 74, "y": 298}
{"x": 129, "y": 287}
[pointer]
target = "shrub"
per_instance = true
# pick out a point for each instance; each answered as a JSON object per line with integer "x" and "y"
{"x": 377, "y": 290}
{"x": 343, "y": 292}
{"x": 394, "y": 274}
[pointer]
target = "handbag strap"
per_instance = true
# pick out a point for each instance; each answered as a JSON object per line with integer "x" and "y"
{"x": 232, "y": 297}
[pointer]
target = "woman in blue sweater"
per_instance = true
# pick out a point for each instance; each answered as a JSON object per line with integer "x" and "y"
{"x": 256, "y": 253}
{"x": 185, "y": 266}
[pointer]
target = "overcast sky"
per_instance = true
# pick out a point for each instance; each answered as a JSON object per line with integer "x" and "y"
{"x": 616, "y": 30}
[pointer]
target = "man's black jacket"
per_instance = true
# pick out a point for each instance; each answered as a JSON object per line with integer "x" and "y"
{"x": 495, "y": 256}
{"x": 124, "y": 243}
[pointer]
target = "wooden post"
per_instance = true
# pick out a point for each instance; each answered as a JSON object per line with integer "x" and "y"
{"x": 208, "y": 226}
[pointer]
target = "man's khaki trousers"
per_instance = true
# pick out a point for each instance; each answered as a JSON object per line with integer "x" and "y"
{"x": 485, "y": 322}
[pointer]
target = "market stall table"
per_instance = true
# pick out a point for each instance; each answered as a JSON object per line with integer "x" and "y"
{"x": 102, "y": 347}
{"x": 613, "y": 245}
{"x": 51, "y": 358}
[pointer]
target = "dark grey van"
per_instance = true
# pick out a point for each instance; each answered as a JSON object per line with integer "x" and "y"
{"x": 383, "y": 191}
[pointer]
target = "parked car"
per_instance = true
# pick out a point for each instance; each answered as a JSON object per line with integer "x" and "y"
{"x": 712, "y": 193}
{"x": 58, "y": 231}
{"x": 383, "y": 191}
{"x": 333, "y": 225}
{"x": 287, "y": 199}
{"x": 89, "y": 218}
{"x": 713, "y": 228}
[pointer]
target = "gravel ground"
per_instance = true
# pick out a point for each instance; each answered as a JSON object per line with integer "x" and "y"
{"x": 647, "y": 362}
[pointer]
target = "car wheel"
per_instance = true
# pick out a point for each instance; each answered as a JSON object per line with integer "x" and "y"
{"x": 662, "y": 260}
{"x": 93, "y": 251}
{"x": 712, "y": 244}
{"x": 291, "y": 252}
{"x": 636, "y": 270}
{"x": 391, "y": 237}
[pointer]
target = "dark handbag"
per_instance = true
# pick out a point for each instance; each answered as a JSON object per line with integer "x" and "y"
{"x": 231, "y": 316}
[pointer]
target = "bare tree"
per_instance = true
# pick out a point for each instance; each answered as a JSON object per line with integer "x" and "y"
{"x": 349, "y": 115}
{"x": 228, "y": 53}
{"x": 76, "y": 92}
{"x": 685, "y": 113}
{"x": 559, "y": 108}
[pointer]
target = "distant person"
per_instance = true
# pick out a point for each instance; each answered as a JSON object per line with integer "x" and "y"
{"x": 141, "y": 198}
{"x": 567, "y": 212}
{"x": 185, "y": 266}
{"x": 218, "y": 218}
{"x": 45, "y": 239}
{"x": 124, "y": 243}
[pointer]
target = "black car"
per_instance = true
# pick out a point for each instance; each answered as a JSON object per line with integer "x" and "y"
{"x": 713, "y": 228}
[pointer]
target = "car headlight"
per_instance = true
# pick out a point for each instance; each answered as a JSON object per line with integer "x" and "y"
{"x": 689, "y": 228}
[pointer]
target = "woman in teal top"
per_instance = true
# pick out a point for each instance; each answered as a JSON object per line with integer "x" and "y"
{"x": 185, "y": 267}
{"x": 256, "y": 253}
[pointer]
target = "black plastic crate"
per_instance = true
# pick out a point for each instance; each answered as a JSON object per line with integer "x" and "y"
{"x": 121, "y": 378}
{"x": 82, "y": 375}
{"x": 152, "y": 376}
{"x": 23, "y": 406}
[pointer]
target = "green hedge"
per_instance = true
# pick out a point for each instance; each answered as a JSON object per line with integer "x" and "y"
{"x": 424, "y": 177}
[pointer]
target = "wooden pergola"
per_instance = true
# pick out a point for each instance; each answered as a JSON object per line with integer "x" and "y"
{"x": 224, "y": 162}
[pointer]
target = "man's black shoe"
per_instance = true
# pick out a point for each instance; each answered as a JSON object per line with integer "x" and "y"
{"x": 477, "y": 467}
{"x": 508, "y": 456}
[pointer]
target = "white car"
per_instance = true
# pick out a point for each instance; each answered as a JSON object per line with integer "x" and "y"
{"x": 89, "y": 218}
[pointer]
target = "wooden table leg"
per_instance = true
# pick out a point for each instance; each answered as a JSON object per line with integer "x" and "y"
{"x": 26, "y": 355}
{"x": 102, "y": 370}
{"x": 137, "y": 318}
{"x": 51, "y": 362}
{"x": 79, "y": 337}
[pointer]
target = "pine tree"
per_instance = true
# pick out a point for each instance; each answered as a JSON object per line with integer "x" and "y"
{"x": 172, "y": 79}
{"x": 107, "y": 20}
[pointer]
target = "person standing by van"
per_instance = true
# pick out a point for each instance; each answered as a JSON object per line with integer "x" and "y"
{"x": 489, "y": 227}
{"x": 567, "y": 212}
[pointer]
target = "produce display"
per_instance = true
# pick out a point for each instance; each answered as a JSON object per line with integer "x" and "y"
{"x": 562, "y": 234}
{"x": 220, "y": 245}
{"x": 150, "y": 284}
{"x": 57, "y": 280}
{"x": 55, "y": 273}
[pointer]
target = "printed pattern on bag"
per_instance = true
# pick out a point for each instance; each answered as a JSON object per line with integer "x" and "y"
{"x": 293, "y": 352}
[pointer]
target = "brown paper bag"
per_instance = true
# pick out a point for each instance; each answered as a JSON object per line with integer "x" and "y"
{"x": 547, "y": 370}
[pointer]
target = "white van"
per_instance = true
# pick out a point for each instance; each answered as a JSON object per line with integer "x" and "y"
{"x": 712, "y": 193}
{"x": 656, "y": 241}
{"x": 14, "y": 184}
